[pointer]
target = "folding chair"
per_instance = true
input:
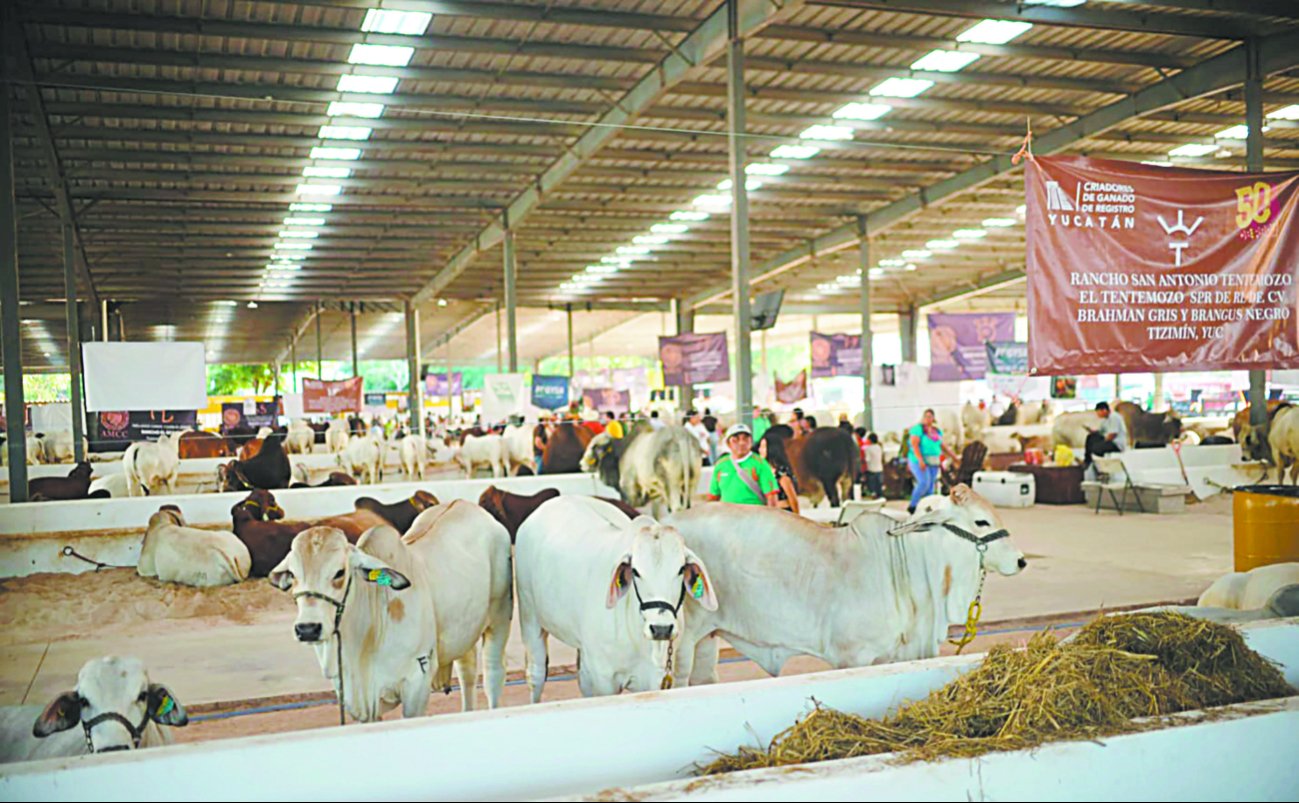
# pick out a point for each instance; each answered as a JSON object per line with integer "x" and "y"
{"x": 1106, "y": 469}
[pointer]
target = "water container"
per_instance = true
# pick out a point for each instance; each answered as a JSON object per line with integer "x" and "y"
{"x": 1265, "y": 522}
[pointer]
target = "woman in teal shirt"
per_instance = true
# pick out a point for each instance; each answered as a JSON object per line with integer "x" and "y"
{"x": 925, "y": 442}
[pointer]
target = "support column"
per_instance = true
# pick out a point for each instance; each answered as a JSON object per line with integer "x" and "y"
{"x": 500, "y": 367}
{"x": 685, "y": 322}
{"x": 450, "y": 384}
{"x": 568, "y": 310}
{"x": 415, "y": 404}
{"x": 511, "y": 300}
{"x": 867, "y": 345}
{"x": 74, "y": 341}
{"x": 356, "y": 369}
{"x": 736, "y": 128}
{"x": 10, "y": 318}
{"x": 293, "y": 359}
{"x": 103, "y": 320}
{"x": 1157, "y": 399}
{"x": 320, "y": 351}
{"x": 1254, "y": 164}
{"x": 907, "y": 333}
{"x": 1118, "y": 387}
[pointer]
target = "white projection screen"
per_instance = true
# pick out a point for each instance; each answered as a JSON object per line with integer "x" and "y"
{"x": 145, "y": 376}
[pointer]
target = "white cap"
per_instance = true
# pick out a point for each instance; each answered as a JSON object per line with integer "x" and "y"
{"x": 738, "y": 429}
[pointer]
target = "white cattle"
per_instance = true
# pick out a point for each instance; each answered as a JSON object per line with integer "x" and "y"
{"x": 1038, "y": 412}
{"x": 35, "y": 449}
{"x": 115, "y": 705}
{"x": 572, "y": 552}
{"x": 58, "y": 447}
{"x": 300, "y": 438}
{"x": 871, "y": 592}
{"x": 1072, "y": 429}
{"x": 411, "y": 607}
{"x": 1245, "y": 591}
{"x": 151, "y": 466}
{"x": 1000, "y": 440}
{"x": 1283, "y": 440}
{"x": 414, "y": 453}
{"x": 175, "y": 553}
{"x": 974, "y": 421}
{"x": 486, "y": 450}
{"x": 949, "y": 421}
{"x": 518, "y": 448}
{"x": 114, "y": 484}
{"x": 362, "y": 456}
{"x": 1189, "y": 437}
{"x": 336, "y": 436}
{"x": 657, "y": 467}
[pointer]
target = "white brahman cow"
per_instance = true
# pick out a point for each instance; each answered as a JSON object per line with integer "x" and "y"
{"x": 414, "y": 454}
{"x": 176, "y": 553}
{"x": 949, "y": 421}
{"x": 649, "y": 467}
{"x": 336, "y": 436}
{"x": 404, "y": 609}
{"x": 35, "y": 449}
{"x": 300, "y": 438}
{"x": 478, "y": 450}
{"x": 1038, "y": 412}
{"x": 871, "y": 592}
{"x": 58, "y": 447}
{"x": 363, "y": 456}
{"x": 974, "y": 421}
{"x": 150, "y": 467}
{"x": 115, "y": 705}
{"x": 572, "y": 552}
{"x": 114, "y": 484}
{"x": 1071, "y": 429}
{"x": 1244, "y": 591}
{"x": 518, "y": 448}
{"x": 1283, "y": 440}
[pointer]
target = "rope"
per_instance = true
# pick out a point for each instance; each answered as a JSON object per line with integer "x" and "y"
{"x": 69, "y": 552}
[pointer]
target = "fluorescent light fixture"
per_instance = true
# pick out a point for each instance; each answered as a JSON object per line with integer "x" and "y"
{"x": 795, "y": 152}
{"x": 1286, "y": 113}
{"x": 406, "y": 23}
{"x": 910, "y": 266}
{"x": 342, "y": 108}
{"x": 875, "y": 273}
{"x": 287, "y": 267}
{"x": 586, "y": 278}
{"x": 994, "y": 32}
{"x": 713, "y": 200}
{"x": 942, "y": 245}
{"x": 969, "y": 234}
{"x": 344, "y": 132}
{"x": 690, "y": 215}
{"x": 624, "y": 261}
{"x": 1193, "y": 149}
{"x": 847, "y": 278}
{"x": 442, "y": 302}
{"x": 1056, "y": 3}
{"x": 1235, "y": 132}
{"x": 338, "y": 154}
{"x": 315, "y": 171}
{"x": 292, "y": 246}
{"x": 944, "y": 60}
{"x": 368, "y": 84}
{"x": 649, "y": 239}
{"x": 319, "y": 189}
{"x": 750, "y": 184}
{"x": 298, "y": 234}
{"x": 310, "y": 207}
{"x": 917, "y": 253}
{"x": 766, "y": 169}
{"x": 901, "y": 87}
{"x": 286, "y": 256}
{"x": 1021, "y": 210}
{"x": 998, "y": 222}
{"x": 637, "y": 250}
{"x": 252, "y": 305}
{"x": 891, "y": 263}
{"x": 381, "y": 55}
{"x": 304, "y": 221}
{"x": 826, "y": 132}
{"x": 601, "y": 268}
{"x": 669, "y": 228}
{"x": 862, "y": 111}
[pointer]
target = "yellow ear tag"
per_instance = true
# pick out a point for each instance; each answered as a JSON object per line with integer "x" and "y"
{"x": 380, "y": 576}
{"x": 697, "y": 590}
{"x": 165, "y": 705}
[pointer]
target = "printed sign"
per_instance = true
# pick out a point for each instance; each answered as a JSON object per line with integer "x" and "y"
{"x": 502, "y": 396}
{"x": 835, "y": 355}
{"x": 1134, "y": 268}
{"x": 603, "y": 399}
{"x": 1007, "y": 358}
{"x": 793, "y": 391}
{"x": 549, "y": 392}
{"x": 140, "y": 425}
{"x": 325, "y": 396}
{"x": 957, "y": 343}
{"x": 435, "y": 385}
{"x": 694, "y": 358}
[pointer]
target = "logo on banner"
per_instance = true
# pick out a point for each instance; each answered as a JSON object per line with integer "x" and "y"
{"x": 1179, "y": 228}
{"x": 1057, "y": 200}
{"x": 1095, "y": 205}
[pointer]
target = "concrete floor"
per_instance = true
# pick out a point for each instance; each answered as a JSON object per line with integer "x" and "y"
{"x": 1078, "y": 562}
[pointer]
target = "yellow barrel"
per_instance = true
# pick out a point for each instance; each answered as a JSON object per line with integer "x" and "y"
{"x": 1266, "y": 525}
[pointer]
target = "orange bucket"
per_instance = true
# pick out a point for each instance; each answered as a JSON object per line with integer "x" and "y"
{"x": 1265, "y": 524}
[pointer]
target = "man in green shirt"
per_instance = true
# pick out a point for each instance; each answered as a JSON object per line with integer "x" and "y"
{"x": 743, "y": 477}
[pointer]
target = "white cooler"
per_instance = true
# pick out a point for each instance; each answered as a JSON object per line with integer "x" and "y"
{"x": 1006, "y": 488}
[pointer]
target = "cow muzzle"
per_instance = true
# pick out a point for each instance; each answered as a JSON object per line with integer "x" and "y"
{"x": 661, "y": 632}
{"x": 1023, "y": 563}
{"x": 308, "y": 631}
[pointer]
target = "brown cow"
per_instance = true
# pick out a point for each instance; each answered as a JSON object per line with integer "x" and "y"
{"x": 202, "y": 444}
{"x": 399, "y": 514}
{"x": 825, "y": 462}
{"x": 512, "y": 509}
{"x": 564, "y": 448}
{"x": 1148, "y": 428}
{"x": 256, "y": 523}
{"x": 250, "y": 449}
{"x": 74, "y": 486}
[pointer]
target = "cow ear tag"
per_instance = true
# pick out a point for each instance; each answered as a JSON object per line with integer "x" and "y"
{"x": 380, "y": 576}
{"x": 697, "y": 590}
{"x": 165, "y": 705}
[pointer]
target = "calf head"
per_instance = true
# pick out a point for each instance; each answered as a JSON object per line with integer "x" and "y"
{"x": 260, "y": 506}
{"x": 661, "y": 572}
{"x": 82, "y": 472}
{"x": 167, "y": 514}
{"x": 319, "y": 570}
{"x": 597, "y": 451}
{"x": 113, "y": 702}
{"x": 977, "y": 515}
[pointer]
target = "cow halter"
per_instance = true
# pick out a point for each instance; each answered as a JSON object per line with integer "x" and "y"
{"x": 658, "y": 604}
{"x": 136, "y": 731}
{"x": 339, "y": 607}
{"x": 975, "y": 612}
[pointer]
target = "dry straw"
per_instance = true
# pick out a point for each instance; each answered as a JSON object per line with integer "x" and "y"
{"x": 1117, "y": 668}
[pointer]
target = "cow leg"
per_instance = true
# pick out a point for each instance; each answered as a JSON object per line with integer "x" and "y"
{"x": 535, "y": 651}
{"x": 704, "y": 669}
{"x": 415, "y": 690}
{"x": 467, "y": 674}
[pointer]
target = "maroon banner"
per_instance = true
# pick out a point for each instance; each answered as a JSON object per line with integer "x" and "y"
{"x": 693, "y": 359}
{"x": 792, "y": 391}
{"x": 835, "y": 355}
{"x": 323, "y": 396}
{"x": 1133, "y": 267}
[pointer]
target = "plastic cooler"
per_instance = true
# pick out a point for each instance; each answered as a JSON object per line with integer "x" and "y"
{"x": 1006, "y": 488}
{"x": 1265, "y": 524}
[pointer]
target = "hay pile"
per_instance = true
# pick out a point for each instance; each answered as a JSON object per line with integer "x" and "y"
{"x": 1116, "y": 669}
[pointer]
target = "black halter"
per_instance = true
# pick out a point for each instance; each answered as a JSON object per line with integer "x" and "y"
{"x": 136, "y": 731}
{"x": 658, "y": 604}
{"x": 339, "y": 607}
{"x": 980, "y": 541}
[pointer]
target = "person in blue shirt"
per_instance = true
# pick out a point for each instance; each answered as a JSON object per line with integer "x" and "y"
{"x": 924, "y": 453}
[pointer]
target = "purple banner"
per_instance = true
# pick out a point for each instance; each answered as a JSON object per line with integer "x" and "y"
{"x": 604, "y": 399}
{"x": 957, "y": 341}
{"x": 836, "y": 355}
{"x": 694, "y": 358}
{"x": 435, "y": 385}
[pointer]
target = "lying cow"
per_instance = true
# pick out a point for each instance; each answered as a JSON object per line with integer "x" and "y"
{"x": 269, "y": 470}
{"x": 151, "y": 467}
{"x": 334, "y": 480}
{"x": 74, "y": 486}
{"x": 175, "y": 553}
{"x": 256, "y": 522}
{"x": 1249, "y": 590}
{"x": 648, "y": 467}
{"x": 363, "y": 458}
{"x": 115, "y": 705}
{"x": 405, "y": 608}
{"x": 479, "y": 450}
{"x": 572, "y": 551}
{"x": 111, "y": 486}
{"x": 399, "y": 514}
{"x": 871, "y": 592}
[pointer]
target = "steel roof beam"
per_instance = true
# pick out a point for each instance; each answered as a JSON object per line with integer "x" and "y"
{"x": 520, "y": 13}
{"x": 981, "y": 286}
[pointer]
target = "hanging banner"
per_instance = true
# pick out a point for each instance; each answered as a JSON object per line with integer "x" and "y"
{"x": 602, "y": 399}
{"x": 1007, "y": 358}
{"x": 1139, "y": 268}
{"x": 549, "y": 392}
{"x": 794, "y": 390}
{"x": 694, "y": 358}
{"x": 503, "y": 396}
{"x": 324, "y": 396}
{"x": 435, "y": 385}
{"x": 835, "y": 355}
{"x": 141, "y": 425}
{"x": 957, "y": 343}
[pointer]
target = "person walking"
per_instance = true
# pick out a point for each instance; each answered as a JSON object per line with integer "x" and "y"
{"x": 925, "y": 452}
{"x": 710, "y": 424}
{"x": 695, "y": 426}
{"x": 611, "y": 425}
{"x": 742, "y": 477}
{"x": 872, "y": 460}
{"x": 772, "y": 449}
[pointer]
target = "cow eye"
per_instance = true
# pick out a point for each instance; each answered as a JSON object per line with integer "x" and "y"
{"x": 982, "y": 522}
{"x": 144, "y": 695}
{"x": 339, "y": 574}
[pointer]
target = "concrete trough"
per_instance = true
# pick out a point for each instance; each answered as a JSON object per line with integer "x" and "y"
{"x": 623, "y": 747}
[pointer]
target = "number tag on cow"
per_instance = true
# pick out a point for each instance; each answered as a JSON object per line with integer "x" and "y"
{"x": 697, "y": 590}
{"x": 165, "y": 705}
{"x": 380, "y": 576}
